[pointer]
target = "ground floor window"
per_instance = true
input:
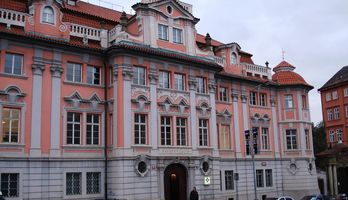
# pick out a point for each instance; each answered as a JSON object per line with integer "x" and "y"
{"x": 264, "y": 177}
{"x": 229, "y": 180}
{"x": 10, "y": 184}
{"x": 93, "y": 182}
{"x": 73, "y": 183}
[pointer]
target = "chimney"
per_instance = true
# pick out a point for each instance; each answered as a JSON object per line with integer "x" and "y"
{"x": 208, "y": 40}
{"x": 124, "y": 21}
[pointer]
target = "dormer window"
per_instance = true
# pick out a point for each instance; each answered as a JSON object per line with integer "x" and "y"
{"x": 48, "y": 15}
{"x": 233, "y": 58}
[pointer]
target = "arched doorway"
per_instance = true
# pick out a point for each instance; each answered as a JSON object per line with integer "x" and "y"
{"x": 175, "y": 182}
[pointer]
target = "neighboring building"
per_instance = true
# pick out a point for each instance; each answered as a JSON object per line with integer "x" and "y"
{"x": 94, "y": 102}
{"x": 334, "y": 100}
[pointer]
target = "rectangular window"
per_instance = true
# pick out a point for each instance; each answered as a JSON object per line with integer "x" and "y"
{"x": 10, "y": 185}
{"x": 329, "y": 115}
{"x": 263, "y": 99}
{"x": 308, "y": 144}
{"x": 181, "y": 131}
{"x": 339, "y": 135}
{"x": 177, "y": 35}
{"x": 164, "y": 79}
{"x": 201, "y": 85}
{"x": 139, "y": 74}
{"x": 332, "y": 135}
{"x": 179, "y": 81}
{"x": 223, "y": 94}
{"x": 345, "y": 92}
{"x": 288, "y": 101}
{"x": 328, "y": 96}
{"x": 304, "y": 102}
{"x": 291, "y": 139}
{"x": 259, "y": 178}
{"x": 10, "y": 125}
{"x": 253, "y": 98}
{"x": 347, "y": 111}
{"x": 265, "y": 138}
{"x": 93, "y": 124}
{"x": 269, "y": 177}
{"x": 73, "y": 128}
{"x": 93, "y": 182}
{"x": 162, "y": 32}
{"x": 13, "y": 64}
{"x": 166, "y": 130}
{"x": 203, "y": 132}
{"x": 229, "y": 180}
{"x": 93, "y": 75}
{"x": 74, "y": 72}
{"x": 337, "y": 113}
{"x": 334, "y": 95}
{"x": 225, "y": 137}
{"x": 247, "y": 143}
{"x": 140, "y": 129}
{"x": 73, "y": 183}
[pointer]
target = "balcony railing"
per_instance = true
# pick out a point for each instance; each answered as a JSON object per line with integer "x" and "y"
{"x": 85, "y": 31}
{"x": 11, "y": 17}
{"x": 257, "y": 70}
{"x": 219, "y": 60}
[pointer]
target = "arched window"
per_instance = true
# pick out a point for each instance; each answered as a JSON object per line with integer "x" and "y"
{"x": 233, "y": 58}
{"x": 48, "y": 15}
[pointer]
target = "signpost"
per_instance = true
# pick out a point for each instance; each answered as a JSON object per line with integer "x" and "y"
{"x": 207, "y": 180}
{"x": 254, "y": 150}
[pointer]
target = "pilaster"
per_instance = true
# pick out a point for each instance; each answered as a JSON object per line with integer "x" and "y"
{"x": 237, "y": 132}
{"x": 275, "y": 127}
{"x": 213, "y": 132}
{"x": 193, "y": 114}
{"x": 153, "y": 78}
{"x": 127, "y": 73}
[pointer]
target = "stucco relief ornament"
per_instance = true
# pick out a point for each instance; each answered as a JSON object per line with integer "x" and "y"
{"x": 63, "y": 28}
{"x": 292, "y": 167}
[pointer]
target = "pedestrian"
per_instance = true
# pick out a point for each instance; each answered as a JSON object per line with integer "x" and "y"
{"x": 194, "y": 194}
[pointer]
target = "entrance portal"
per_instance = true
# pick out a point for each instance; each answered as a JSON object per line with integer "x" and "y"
{"x": 175, "y": 183}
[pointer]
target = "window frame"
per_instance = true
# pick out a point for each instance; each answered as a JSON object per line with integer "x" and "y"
{"x": 229, "y": 180}
{"x": 177, "y": 36}
{"x": 138, "y": 137}
{"x": 346, "y": 107}
{"x": 329, "y": 114}
{"x": 263, "y": 99}
{"x": 162, "y": 82}
{"x": 334, "y": 95}
{"x": 265, "y": 137}
{"x": 304, "y": 102}
{"x": 18, "y": 185}
{"x": 224, "y": 136}
{"x": 288, "y": 101}
{"x": 163, "y": 33}
{"x": 223, "y": 94}
{"x": 203, "y": 130}
{"x": 328, "y": 96}
{"x": 91, "y": 80}
{"x": 345, "y": 92}
{"x": 291, "y": 136}
{"x": 12, "y": 67}
{"x": 74, "y": 77}
{"x": 72, "y": 184}
{"x": 253, "y": 98}
{"x": 93, "y": 124}
{"x": 166, "y": 130}
{"x": 138, "y": 77}
{"x": 268, "y": 178}
{"x": 332, "y": 136}
{"x": 260, "y": 182}
{"x": 93, "y": 184}
{"x": 336, "y": 111}
{"x": 181, "y": 136}
{"x": 45, "y": 17}
{"x": 73, "y": 129}
{"x": 339, "y": 135}
{"x": 177, "y": 81}
{"x": 234, "y": 59}
{"x": 3, "y": 119}
{"x": 307, "y": 139}
{"x": 201, "y": 85}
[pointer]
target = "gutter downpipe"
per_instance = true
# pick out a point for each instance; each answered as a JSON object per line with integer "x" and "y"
{"x": 105, "y": 135}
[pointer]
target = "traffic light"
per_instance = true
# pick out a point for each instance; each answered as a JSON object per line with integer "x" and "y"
{"x": 255, "y": 139}
{"x": 247, "y": 143}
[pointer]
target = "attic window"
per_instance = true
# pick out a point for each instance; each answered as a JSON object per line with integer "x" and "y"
{"x": 233, "y": 58}
{"x": 48, "y": 15}
{"x": 169, "y": 10}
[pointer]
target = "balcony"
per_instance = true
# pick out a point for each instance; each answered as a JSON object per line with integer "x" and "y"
{"x": 219, "y": 60}
{"x": 257, "y": 70}
{"x": 10, "y": 17}
{"x": 85, "y": 31}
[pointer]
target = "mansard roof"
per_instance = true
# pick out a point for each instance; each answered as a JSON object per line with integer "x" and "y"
{"x": 339, "y": 78}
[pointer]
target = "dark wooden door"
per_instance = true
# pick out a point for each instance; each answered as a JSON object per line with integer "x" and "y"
{"x": 175, "y": 183}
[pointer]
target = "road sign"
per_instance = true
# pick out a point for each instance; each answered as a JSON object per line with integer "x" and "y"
{"x": 207, "y": 180}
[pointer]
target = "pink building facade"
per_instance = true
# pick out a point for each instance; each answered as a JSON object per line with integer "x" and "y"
{"x": 95, "y": 103}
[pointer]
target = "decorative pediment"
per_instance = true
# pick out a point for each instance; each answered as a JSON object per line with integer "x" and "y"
{"x": 12, "y": 92}
{"x": 224, "y": 113}
{"x": 141, "y": 100}
{"x": 75, "y": 96}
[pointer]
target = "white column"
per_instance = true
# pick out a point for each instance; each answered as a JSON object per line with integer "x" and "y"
{"x": 334, "y": 172}
{"x": 330, "y": 180}
{"x": 35, "y": 145}
{"x": 153, "y": 77}
{"x": 193, "y": 113}
{"x": 213, "y": 132}
{"x": 114, "y": 113}
{"x": 56, "y": 72}
{"x": 275, "y": 127}
{"x": 127, "y": 73}
{"x": 237, "y": 131}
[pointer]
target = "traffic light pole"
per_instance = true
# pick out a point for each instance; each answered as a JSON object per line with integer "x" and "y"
{"x": 253, "y": 160}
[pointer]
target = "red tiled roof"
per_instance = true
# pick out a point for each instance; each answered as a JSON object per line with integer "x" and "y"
{"x": 17, "y": 5}
{"x": 283, "y": 64}
{"x": 77, "y": 19}
{"x": 289, "y": 78}
{"x": 201, "y": 39}
{"x": 246, "y": 59}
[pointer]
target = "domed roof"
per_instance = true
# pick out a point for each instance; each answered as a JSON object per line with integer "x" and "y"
{"x": 284, "y": 75}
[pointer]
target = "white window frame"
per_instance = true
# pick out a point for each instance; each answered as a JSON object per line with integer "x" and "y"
{"x": 346, "y": 110}
{"x": 260, "y": 179}
{"x": 18, "y": 187}
{"x": 337, "y": 113}
{"x": 291, "y": 136}
{"x": 177, "y": 36}
{"x": 334, "y": 95}
{"x": 223, "y": 94}
{"x": 253, "y": 98}
{"x": 73, "y": 180}
{"x": 288, "y": 101}
{"x": 268, "y": 182}
{"x": 265, "y": 138}
{"x": 91, "y": 75}
{"x": 179, "y": 81}
{"x": 304, "y": 102}
{"x": 234, "y": 59}
{"x": 48, "y": 18}
{"x": 93, "y": 183}
{"x": 329, "y": 114}
{"x": 11, "y": 119}
{"x": 164, "y": 79}
{"x": 181, "y": 131}
{"x": 92, "y": 124}
{"x": 166, "y": 131}
{"x": 163, "y": 32}
{"x": 13, "y": 56}
{"x": 331, "y": 135}
{"x": 345, "y": 92}
{"x": 263, "y": 99}
{"x": 307, "y": 138}
{"x": 203, "y": 130}
{"x": 201, "y": 85}
{"x": 328, "y": 96}
{"x": 139, "y": 75}
{"x": 138, "y": 132}
{"x": 73, "y": 128}
{"x": 339, "y": 135}
{"x": 229, "y": 180}
{"x": 74, "y": 77}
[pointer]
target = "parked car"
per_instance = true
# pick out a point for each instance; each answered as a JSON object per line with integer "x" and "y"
{"x": 280, "y": 198}
{"x": 317, "y": 197}
{"x": 342, "y": 197}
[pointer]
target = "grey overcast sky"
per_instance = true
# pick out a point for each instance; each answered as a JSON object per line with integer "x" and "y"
{"x": 313, "y": 33}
